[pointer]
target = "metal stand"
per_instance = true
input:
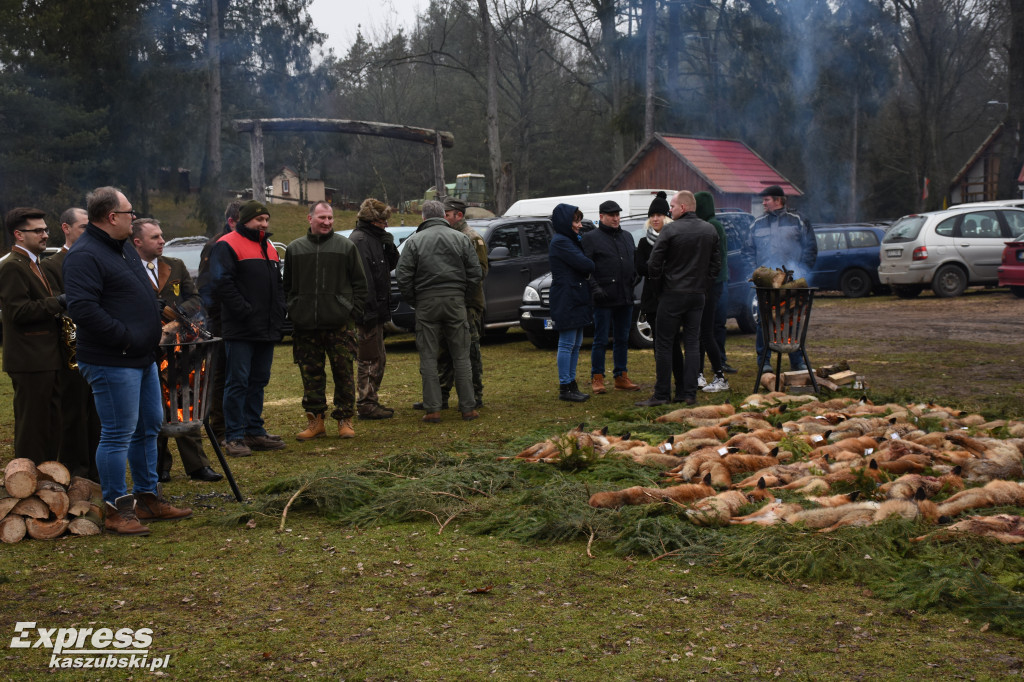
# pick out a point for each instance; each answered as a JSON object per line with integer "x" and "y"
{"x": 223, "y": 461}
{"x": 785, "y": 315}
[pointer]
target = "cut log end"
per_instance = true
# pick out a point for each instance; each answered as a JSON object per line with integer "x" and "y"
{"x": 12, "y": 529}
{"x": 46, "y": 530}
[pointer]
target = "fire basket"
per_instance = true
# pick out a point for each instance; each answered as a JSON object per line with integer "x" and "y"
{"x": 186, "y": 379}
{"x": 784, "y": 315}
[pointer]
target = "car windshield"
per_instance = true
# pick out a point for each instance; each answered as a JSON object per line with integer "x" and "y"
{"x": 905, "y": 229}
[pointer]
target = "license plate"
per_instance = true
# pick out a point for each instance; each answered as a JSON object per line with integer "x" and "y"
{"x": 549, "y": 324}
{"x": 893, "y": 253}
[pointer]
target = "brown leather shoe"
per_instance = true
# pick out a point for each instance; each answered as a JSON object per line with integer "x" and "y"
{"x": 345, "y": 429}
{"x": 432, "y": 417}
{"x": 315, "y": 428}
{"x": 263, "y": 442}
{"x": 121, "y": 517}
{"x": 622, "y": 383}
{"x": 153, "y": 507}
{"x": 470, "y": 416}
{"x": 597, "y": 384}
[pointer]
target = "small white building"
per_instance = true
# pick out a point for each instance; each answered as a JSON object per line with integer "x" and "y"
{"x": 289, "y": 189}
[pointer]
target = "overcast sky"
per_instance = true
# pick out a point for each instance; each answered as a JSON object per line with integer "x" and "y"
{"x": 340, "y": 19}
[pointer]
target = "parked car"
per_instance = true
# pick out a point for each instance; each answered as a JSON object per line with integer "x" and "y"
{"x": 517, "y": 252}
{"x": 947, "y": 250}
{"x": 1011, "y": 272}
{"x": 400, "y": 232}
{"x": 848, "y": 258}
{"x": 535, "y": 311}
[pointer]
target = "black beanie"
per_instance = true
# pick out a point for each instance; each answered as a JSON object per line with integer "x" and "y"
{"x": 250, "y": 210}
{"x": 658, "y": 206}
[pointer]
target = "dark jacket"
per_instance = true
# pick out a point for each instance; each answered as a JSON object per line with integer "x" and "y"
{"x": 437, "y": 261}
{"x": 570, "y": 273}
{"x": 245, "y": 273}
{"x": 175, "y": 286}
{"x": 324, "y": 284}
{"x": 649, "y": 294}
{"x": 110, "y": 298}
{"x": 53, "y": 268}
{"x": 380, "y": 256}
{"x": 783, "y": 239}
{"x": 32, "y": 338}
{"x": 685, "y": 257}
{"x": 612, "y": 250}
{"x": 706, "y": 211}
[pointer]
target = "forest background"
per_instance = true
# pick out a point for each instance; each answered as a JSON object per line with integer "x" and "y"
{"x": 869, "y": 106}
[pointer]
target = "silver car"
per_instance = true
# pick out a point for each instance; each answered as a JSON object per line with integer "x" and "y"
{"x": 947, "y": 250}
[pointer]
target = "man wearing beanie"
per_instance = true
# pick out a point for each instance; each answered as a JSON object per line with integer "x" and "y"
{"x": 245, "y": 273}
{"x": 380, "y": 256}
{"x": 325, "y": 289}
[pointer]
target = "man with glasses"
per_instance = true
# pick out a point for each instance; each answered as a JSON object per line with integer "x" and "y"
{"x": 32, "y": 352}
{"x": 111, "y": 301}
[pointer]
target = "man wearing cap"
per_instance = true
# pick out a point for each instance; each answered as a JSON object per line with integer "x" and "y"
{"x": 380, "y": 256}
{"x": 611, "y": 285}
{"x": 455, "y": 214}
{"x": 325, "y": 288}
{"x": 780, "y": 238}
{"x": 245, "y": 275}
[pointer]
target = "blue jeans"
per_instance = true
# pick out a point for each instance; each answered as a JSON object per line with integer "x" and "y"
{"x": 569, "y": 342}
{"x": 246, "y": 375}
{"x": 617, "y": 321}
{"x": 128, "y": 404}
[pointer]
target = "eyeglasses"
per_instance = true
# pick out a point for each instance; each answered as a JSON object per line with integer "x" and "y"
{"x": 130, "y": 211}
{"x": 37, "y": 230}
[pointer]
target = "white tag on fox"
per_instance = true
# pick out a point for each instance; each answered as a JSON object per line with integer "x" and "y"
{"x": 722, "y": 452}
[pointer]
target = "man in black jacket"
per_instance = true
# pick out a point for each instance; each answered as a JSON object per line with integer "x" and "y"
{"x": 612, "y": 251}
{"x": 380, "y": 256}
{"x": 686, "y": 261}
{"x": 112, "y": 303}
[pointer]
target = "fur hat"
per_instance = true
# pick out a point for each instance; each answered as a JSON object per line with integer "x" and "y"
{"x": 250, "y": 210}
{"x": 659, "y": 206}
{"x": 372, "y": 210}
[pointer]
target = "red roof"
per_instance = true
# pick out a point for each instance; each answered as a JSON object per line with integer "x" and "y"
{"x": 729, "y": 165}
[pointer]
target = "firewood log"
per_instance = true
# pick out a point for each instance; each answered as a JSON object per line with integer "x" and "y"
{"x": 20, "y": 477}
{"x": 46, "y": 530}
{"x": 12, "y": 529}
{"x": 83, "y": 526}
{"x": 7, "y": 503}
{"x": 83, "y": 489}
{"x": 54, "y": 471}
{"x": 79, "y": 507}
{"x": 56, "y": 500}
{"x": 32, "y": 507}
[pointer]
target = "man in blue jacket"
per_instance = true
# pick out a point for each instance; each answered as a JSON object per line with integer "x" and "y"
{"x": 612, "y": 250}
{"x": 111, "y": 301}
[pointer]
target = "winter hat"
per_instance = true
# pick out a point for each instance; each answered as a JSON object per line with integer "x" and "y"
{"x": 772, "y": 191}
{"x": 372, "y": 210}
{"x": 609, "y": 207}
{"x": 250, "y": 210}
{"x": 659, "y": 206}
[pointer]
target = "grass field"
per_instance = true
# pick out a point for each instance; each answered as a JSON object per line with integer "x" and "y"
{"x": 429, "y": 597}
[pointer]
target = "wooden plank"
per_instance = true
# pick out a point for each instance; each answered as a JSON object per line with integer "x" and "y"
{"x": 337, "y": 125}
{"x": 796, "y": 378}
{"x": 843, "y": 378}
{"x": 825, "y": 383}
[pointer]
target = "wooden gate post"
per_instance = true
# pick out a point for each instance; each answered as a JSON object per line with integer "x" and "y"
{"x": 439, "y": 167}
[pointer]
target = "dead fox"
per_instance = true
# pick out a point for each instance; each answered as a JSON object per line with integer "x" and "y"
{"x": 1006, "y": 528}
{"x": 701, "y": 412}
{"x": 719, "y": 509}
{"x": 905, "y": 487}
{"x": 997, "y": 493}
{"x": 685, "y": 492}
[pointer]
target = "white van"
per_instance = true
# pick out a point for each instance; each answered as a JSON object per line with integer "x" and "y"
{"x": 634, "y": 203}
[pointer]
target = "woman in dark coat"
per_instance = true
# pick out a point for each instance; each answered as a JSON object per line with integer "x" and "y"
{"x": 657, "y": 218}
{"x": 569, "y": 295}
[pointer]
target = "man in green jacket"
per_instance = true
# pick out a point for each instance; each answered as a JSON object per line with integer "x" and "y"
{"x": 438, "y": 273}
{"x": 325, "y": 290}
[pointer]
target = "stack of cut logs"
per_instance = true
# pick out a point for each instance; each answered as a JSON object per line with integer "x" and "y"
{"x": 43, "y": 501}
{"x": 831, "y": 377}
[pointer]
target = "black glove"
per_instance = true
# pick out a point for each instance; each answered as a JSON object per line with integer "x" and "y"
{"x": 63, "y": 301}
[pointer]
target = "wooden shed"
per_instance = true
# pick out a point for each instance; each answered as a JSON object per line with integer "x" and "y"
{"x": 729, "y": 169}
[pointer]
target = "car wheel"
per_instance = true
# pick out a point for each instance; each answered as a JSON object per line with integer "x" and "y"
{"x": 907, "y": 290}
{"x": 747, "y": 319}
{"x": 855, "y": 283}
{"x": 1017, "y": 291}
{"x": 543, "y": 340}
{"x": 949, "y": 281}
{"x": 641, "y": 335}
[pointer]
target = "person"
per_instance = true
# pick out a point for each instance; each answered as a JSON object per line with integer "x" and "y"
{"x": 32, "y": 338}
{"x": 245, "y": 276}
{"x": 780, "y": 238}
{"x": 173, "y": 286}
{"x": 437, "y": 274}
{"x": 613, "y": 252}
{"x": 380, "y": 256}
{"x": 685, "y": 260}
{"x": 80, "y": 424}
{"x": 455, "y": 214}
{"x": 705, "y": 210}
{"x": 205, "y": 286}
{"x": 657, "y": 217}
{"x": 112, "y": 303}
{"x": 570, "y": 296}
{"x": 325, "y": 289}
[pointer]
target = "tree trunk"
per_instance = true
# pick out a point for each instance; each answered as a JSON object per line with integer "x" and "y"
{"x": 1012, "y": 144}
{"x": 650, "y": 21}
{"x": 493, "y": 130}
{"x": 211, "y": 192}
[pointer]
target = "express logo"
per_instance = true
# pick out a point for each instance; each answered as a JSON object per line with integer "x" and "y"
{"x": 90, "y": 647}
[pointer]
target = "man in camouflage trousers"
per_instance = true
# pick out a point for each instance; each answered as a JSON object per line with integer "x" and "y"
{"x": 325, "y": 290}
{"x": 455, "y": 214}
